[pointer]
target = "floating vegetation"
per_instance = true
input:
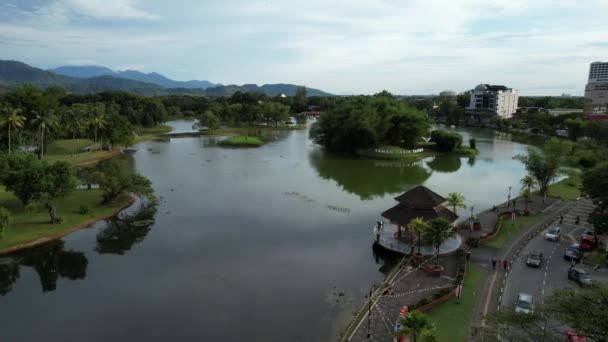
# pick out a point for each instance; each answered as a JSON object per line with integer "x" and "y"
{"x": 338, "y": 209}
{"x": 339, "y": 297}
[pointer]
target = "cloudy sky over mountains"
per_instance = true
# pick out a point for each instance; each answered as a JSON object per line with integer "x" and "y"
{"x": 344, "y": 47}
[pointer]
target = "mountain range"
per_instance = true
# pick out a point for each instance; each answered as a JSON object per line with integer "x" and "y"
{"x": 92, "y": 79}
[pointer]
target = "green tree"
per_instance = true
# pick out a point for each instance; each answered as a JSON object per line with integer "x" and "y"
{"x": 58, "y": 182}
{"x": 514, "y": 326}
{"x": 209, "y": 120}
{"x": 299, "y": 100}
{"x": 438, "y": 231}
{"x": 418, "y": 226}
{"x": 12, "y": 119}
{"x": 98, "y": 118}
{"x": 526, "y": 194}
{"x": 446, "y": 141}
{"x": 595, "y": 185}
{"x": 44, "y": 122}
{"x": 115, "y": 178}
{"x": 74, "y": 121}
{"x": 544, "y": 166}
{"x": 418, "y": 326}
{"x": 117, "y": 131}
{"x": 455, "y": 200}
{"x": 5, "y": 220}
{"x": 576, "y": 127}
{"x": 528, "y": 182}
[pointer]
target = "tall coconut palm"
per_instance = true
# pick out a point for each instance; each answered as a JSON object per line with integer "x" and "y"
{"x": 526, "y": 194}
{"x": 44, "y": 122}
{"x": 13, "y": 120}
{"x": 437, "y": 232}
{"x": 529, "y": 182}
{"x": 418, "y": 326}
{"x": 98, "y": 118}
{"x": 455, "y": 200}
{"x": 418, "y": 226}
{"x": 74, "y": 121}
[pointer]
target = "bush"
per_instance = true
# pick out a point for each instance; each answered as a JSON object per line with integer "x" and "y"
{"x": 472, "y": 144}
{"x": 446, "y": 141}
{"x": 84, "y": 209}
{"x": 5, "y": 220}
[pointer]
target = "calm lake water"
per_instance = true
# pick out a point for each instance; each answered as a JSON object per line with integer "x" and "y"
{"x": 245, "y": 244}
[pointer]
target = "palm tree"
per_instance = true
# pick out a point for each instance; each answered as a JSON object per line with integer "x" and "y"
{"x": 418, "y": 226}
{"x": 44, "y": 122}
{"x": 73, "y": 121}
{"x": 455, "y": 200}
{"x": 529, "y": 182}
{"x": 437, "y": 232}
{"x": 98, "y": 119}
{"x": 526, "y": 194}
{"x": 12, "y": 120}
{"x": 417, "y": 324}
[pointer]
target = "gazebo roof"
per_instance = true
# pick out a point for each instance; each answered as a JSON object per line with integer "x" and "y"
{"x": 402, "y": 215}
{"x": 420, "y": 197}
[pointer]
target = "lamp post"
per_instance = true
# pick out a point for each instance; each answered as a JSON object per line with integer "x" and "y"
{"x": 472, "y": 221}
{"x": 369, "y": 314}
{"x": 509, "y": 198}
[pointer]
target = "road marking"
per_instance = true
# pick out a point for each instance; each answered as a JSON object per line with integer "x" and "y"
{"x": 544, "y": 282}
{"x": 542, "y": 292}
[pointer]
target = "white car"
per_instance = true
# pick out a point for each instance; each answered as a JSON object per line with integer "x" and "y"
{"x": 553, "y": 234}
{"x": 524, "y": 304}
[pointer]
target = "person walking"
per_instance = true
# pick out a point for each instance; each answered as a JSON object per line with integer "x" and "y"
{"x": 493, "y": 263}
{"x": 377, "y": 231}
{"x": 561, "y": 219}
{"x": 505, "y": 263}
{"x": 578, "y": 219}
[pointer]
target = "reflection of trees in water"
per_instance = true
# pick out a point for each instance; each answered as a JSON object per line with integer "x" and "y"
{"x": 121, "y": 234}
{"x": 471, "y": 161}
{"x": 445, "y": 163}
{"x": 368, "y": 178}
{"x": 388, "y": 258}
{"x": 50, "y": 261}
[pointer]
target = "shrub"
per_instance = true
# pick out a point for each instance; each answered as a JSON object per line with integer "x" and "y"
{"x": 84, "y": 209}
{"x": 446, "y": 141}
{"x": 5, "y": 220}
{"x": 472, "y": 144}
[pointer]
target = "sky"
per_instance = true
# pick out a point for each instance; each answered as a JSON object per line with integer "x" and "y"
{"x": 539, "y": 47}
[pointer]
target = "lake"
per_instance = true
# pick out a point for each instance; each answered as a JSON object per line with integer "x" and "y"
{"x": 245, "y": 244}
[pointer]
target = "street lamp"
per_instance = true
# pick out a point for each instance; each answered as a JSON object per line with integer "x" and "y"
{"x": 509, "y": 198}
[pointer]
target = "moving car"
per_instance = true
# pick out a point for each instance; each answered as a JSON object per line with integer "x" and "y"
{"x": 572, "y": 336}
{"x": 580, "y": 276}
{"x": 524, "y": 304}
{"x": 553, "y": 234}
{"x": 535, "y": 259}
{"x": 588, "y": 242}
{"x": 574, "y": 252}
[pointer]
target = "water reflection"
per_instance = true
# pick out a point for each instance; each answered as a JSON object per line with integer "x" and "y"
{"x": 368, "y": 178}
{"x": 120, "y": 235}
{"x": 385, "y": 258}
{"x": 445, "y": 163}
{"x": 51, "y": 261}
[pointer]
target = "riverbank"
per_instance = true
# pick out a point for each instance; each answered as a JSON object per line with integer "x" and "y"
{"x": 242, "y": 141}
{"x": 249, "y": 130}
{"x": 397, "y": 153}
{"x": 30, "y": 226}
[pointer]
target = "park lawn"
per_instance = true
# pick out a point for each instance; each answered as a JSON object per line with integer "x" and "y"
{"x": 453, "y": 320}
{"x": 510, "y": 228}
{"x": 31, "y": 224}
{"x": 158, "y": 129}
{"x": 242, "y": 141}
{"x": 83, "y": 158}
{"x": 567, "y": 189}
{"x": 64, "y": 146}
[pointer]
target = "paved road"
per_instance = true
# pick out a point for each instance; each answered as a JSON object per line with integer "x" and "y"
{"x": 553, "y": 273}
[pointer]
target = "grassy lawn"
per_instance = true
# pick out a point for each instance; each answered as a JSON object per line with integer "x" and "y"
{"x": 31, "y": 224}
{"x": 509, "y": 228}
{"x": 158, "y": 129}
{"x": 598, "y": 256}
{"x": 452, "y": 319}
{"x": 567, "y": 189}
{"x": 58, "y": 147}
{"x": 82, "y": 158}
{"x": 242, "y": 141}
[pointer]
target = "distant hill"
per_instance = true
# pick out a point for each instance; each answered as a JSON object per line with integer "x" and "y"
{"x": 74, "y": 79}
{"x": 87, "y": 71}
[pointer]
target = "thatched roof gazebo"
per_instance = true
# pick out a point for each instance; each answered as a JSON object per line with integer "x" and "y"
{"x": 418, "y": 202}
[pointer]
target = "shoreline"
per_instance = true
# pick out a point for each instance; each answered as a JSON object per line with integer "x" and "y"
{"x": 85, "y": 224}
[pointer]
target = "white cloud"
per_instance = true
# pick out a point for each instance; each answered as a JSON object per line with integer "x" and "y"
{"x": 108, "y": 9}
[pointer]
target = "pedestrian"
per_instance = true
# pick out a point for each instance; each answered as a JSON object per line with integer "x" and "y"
{"x": 572, "y": 263}
{"x": 493, "y": 263}
{"x": 505, "y": 263}
{"x": 578, "y": 219}
{"x": 561, "y": 219}
{"x": 377, "y": 231}
{"x": 515, "y": 203}
{"x": 597, "y": 267}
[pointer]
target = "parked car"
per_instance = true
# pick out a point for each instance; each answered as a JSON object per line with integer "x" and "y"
{"x": 553, "y": 234}
{"x": 574, "y": 252}
{"x": 535, "y": 259}
{"x": 588, "y": 242}
{"x": 580, "y": 276}
{"x": 572, "y": 336}
{"x": 524, "y": 304}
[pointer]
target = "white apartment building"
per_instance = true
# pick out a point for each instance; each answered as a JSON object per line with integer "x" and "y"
{"x": 596, "y": 90}
{"x": 494, "y": 98}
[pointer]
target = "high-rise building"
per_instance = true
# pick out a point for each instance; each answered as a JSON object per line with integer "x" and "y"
{"x": 596, "y": 90}
{"x": 494, "y": 98}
